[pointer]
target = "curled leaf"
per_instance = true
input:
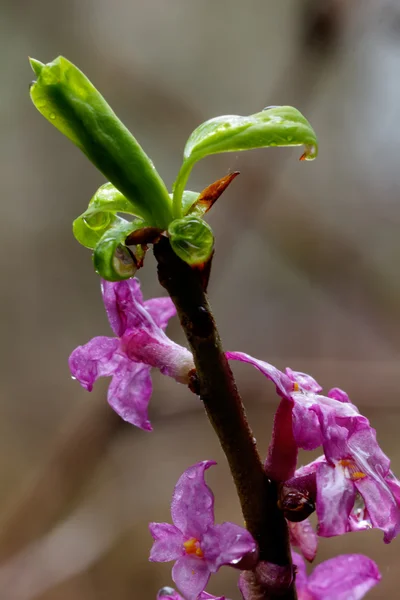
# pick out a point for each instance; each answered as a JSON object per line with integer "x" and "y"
{"x": 274, "y": 126}
{"x": 69, "y": 101}
{"x": 100, "y": 215}
{"x": 113, "y": 260}
{"x": 191, "y": 239}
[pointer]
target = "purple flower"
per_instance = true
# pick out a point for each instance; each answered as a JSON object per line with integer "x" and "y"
{"x": 197, "y": 545}
{"x": 168, "y": 593}
{"x": 352, "y": 483}
{"x": 355, "y": 488}
{"x": 140, "y": 344}
{"x": 305, "y": 418}
{"x": 345, "y": 577}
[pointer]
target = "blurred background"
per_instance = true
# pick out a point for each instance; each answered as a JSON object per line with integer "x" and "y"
{"x": 305, "y": 272}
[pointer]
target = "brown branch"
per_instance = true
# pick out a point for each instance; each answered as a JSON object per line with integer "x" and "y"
{"x": 224, "y": 408}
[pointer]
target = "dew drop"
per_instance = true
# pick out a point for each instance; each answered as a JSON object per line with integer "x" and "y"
{"x": 124, "y": 262}
{"x": 289, "y": 138}
{"x": 52, "y": 116}
{"x": 165, "y": 591}
{"x": 273, "y": 144}
{"x": 41, "y": 103}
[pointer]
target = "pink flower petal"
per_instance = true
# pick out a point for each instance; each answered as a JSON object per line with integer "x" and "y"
{"x": 129, "y": 393}
{"x": 191, "y": 575}
{"x": 192, "y": 506}
{"x": 283, "y": 383}
{"x": 161, "y": 310}
{"x": 119, "y": 299}
{"x": 335, "y": 500}
{"x": 303, "y": 536}
{"x": 383, "y": 510}
{"x": 306, "y": 427}
{"x": 305, "y": 381}
{"x": 345, "y": 577}
{"x": 226, "y": 544}
{"x": 301, "y": 575}
{"x": 168, "y": 542}
{"x": 93, "y": 360}
{"x": 338, "y": 394}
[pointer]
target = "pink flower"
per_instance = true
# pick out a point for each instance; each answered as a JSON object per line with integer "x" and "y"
{"x": 345, "y": 577}
{"x": 168, "y": 593}
{"x": 304, "y": 404}
{"x": 197, "y": 545}
{"x": 355, "y": 488}
{"x": 352, "y": 483}
{"x": 140, "y": 344}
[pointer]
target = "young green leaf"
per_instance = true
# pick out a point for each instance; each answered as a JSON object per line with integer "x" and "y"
{"x": 66, "y": 97}
{"x": 188, "y": 200}
{"x": 191, "y": 239}
{"x": 112, "y": 259}
{"x": 100, "y": 215}
{"x": 274, "y": 126}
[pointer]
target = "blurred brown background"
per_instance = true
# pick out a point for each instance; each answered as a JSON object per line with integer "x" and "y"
{"x": 305, "y": 272}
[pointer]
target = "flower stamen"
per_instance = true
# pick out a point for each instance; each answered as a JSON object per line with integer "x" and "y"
{"x": 192, "y": 546}
{"x": 351, "y": 469}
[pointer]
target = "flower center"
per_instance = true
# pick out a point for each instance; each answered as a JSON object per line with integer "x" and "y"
{"x": 192, "y": 546}
{"x": 351, "y": 469}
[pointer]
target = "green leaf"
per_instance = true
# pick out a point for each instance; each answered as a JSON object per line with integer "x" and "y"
{"x": 274, "y": 126}
{"x": 191, "y": 239}
{"x": 188, "y": 200}
{"x": 100, "y": 215}
{"x": 66, "y": 97}
{"x": 112, "y": 259}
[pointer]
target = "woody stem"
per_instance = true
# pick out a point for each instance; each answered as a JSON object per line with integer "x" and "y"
{"x": 225, "y": 410}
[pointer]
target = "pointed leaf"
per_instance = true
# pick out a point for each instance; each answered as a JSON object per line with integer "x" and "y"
{"x": 274, "y": 126}
{"x": 210, "y": 195}
{"x": 66, "y": 97}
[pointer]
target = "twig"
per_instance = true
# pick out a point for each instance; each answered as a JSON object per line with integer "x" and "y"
{"x": 224, "y": 408}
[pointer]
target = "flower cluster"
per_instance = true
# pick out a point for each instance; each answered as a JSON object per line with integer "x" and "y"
{"x": 350, "y": 486}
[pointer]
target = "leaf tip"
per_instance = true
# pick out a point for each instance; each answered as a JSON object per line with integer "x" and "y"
{"x": 36, "y": 65}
